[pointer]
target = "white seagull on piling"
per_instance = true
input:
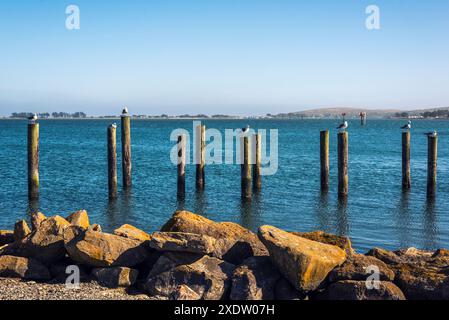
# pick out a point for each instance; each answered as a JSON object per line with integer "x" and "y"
{"x": 432, "y": 134}
{"x": 246, "y": 129}
{"x": 114, "y": 125}
{"x": 408, "y": 126}
{"x": 343, "y": 126}
{"x": 33, "y": 118}
{"x": 125, "y": 110}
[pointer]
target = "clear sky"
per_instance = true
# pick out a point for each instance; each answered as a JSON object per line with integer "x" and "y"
{"x": 222, "y": 56}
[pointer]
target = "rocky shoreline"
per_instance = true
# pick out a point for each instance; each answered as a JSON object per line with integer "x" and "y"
{"x": 193, "y": 258}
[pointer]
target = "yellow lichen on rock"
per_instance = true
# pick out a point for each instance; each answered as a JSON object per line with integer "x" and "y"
{"x": 305, "y": 263}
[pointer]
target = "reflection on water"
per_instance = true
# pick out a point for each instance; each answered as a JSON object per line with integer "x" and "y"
{"x": 430, "y": 226}
{"x": 119, "y": 209}
{"x": 322, "y": 211}
{"x": 403, "y": 218}
{"x": 200, "y": 202}
{"x": 180, "y": 202}
{"x": 250, "y": 210}
{"x": 342, "y": 216}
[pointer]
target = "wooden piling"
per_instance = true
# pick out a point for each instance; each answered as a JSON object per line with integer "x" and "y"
{"x": 362, "y": 118}
{"x": 181, "y": 164}
{"x": 33, "y": 160}
{"x": 257, "y": 167}
{"x": 126, "y": 151}
{"x": 200, "y": 175}
{"x": 406, "y": 181}
{"x": 324, "y": 159}
{"x": 432, "y": 153}
{"x": 112, "y": 161}
{"x": 246, "y": 168}
{"x": 343, "y": 164}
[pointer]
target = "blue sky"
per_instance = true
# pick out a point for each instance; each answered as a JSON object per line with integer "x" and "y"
{"x": 222, "y": 56}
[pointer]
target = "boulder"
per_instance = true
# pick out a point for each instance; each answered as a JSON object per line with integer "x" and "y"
{"x": 358, "y": 290}
{"x": 285, "y": 291}
{"x": 21, "y": 230}
{"x": 129, "y": 231}
{"x": 183, "y": 292}
{"x": 36, "y": 219}
{"x": 359, "y": 267}
{"x": 6, "y": 237}
{"x": 147, "y": 265}
{"x": 305, "y": 263}
{"x": 421, "y": 275}
{"x": 208, "y": 277}
{"x": 44, "y": 244}
{"x": 98, "y": 249}
{"x": 183, "y": 242}
{"x": 115, "y": 277}
{"x": 255, "y": 279}
{"x": 20, "y": 267}
{"x": 61, "y": 270}
{"x": 320, "y": 236}
{"x": 79, "y": 218}
{"x": 234, "y": 243}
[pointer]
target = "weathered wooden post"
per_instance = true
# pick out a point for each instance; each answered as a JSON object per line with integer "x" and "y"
{"x": 126, "y": 149}
{"x": 406, "y": 181}
{"x": 343, "y": 164}
{"x": 33, "y": 160}
{"x": 201, "y": 157}
{"x": 362, "y": 118}
{"x": 246, "y": 168}
{"x": 257, "y": 167}
{"x": 181, "y": 165}
{"x": 112, "y": 161}
{"x": 432, "y": 152}
{"x": 324, "y": 159}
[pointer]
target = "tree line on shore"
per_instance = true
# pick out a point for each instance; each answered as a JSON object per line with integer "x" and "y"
{"x": 46, "y": 115}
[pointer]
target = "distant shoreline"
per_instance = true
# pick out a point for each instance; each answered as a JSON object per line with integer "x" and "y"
{"x": 219, "y": 119}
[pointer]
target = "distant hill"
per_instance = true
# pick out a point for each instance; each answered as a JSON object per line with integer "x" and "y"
{"x": 336, "y": 113}
{"x": 441, "y": 112}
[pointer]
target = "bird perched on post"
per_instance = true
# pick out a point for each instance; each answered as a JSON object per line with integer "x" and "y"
{"x": 246, "y": 129}
{"x": 32, "y": 118}
{"x": 114, "y": 125}
{"x": 408, "y": 126}
{"x": 432, "y": 134}
{"x": 125, "y": 111}
{"x": 343, "y": 126}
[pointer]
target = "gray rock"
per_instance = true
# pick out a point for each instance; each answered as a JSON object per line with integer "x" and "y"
{"x": 115, "y": 277}
{"x": 98, "y": 249}
{"x": 358, "y": 267}
{"x": 21, "y": 230}
{"x": 233, "y": 242}
{"x": 182, "y": 242}
{"x": 20, "y": 267}
{"x": 358, "y": 290}
{"x": 421, "y": 275}
{"x": 208, "y": 277}
{"x": 255, "y": 279}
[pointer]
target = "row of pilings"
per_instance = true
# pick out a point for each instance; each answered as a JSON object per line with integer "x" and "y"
{"x": 343, "y": 151}
{"x": 251, "y": 178}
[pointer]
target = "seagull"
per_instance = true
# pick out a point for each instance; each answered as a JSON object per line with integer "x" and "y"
{"x": 432, "y": 134}
{"x": 408, "y": 126}
{"x": 125, "y": 110}
{"x": 343, "y": 126}
{"x": 246, "y": 129}
{"x": 114, "y": 125}
{"x": 33, "y": 118}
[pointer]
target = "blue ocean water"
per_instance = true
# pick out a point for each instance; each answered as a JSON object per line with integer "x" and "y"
{"x": 73, "y": 172}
